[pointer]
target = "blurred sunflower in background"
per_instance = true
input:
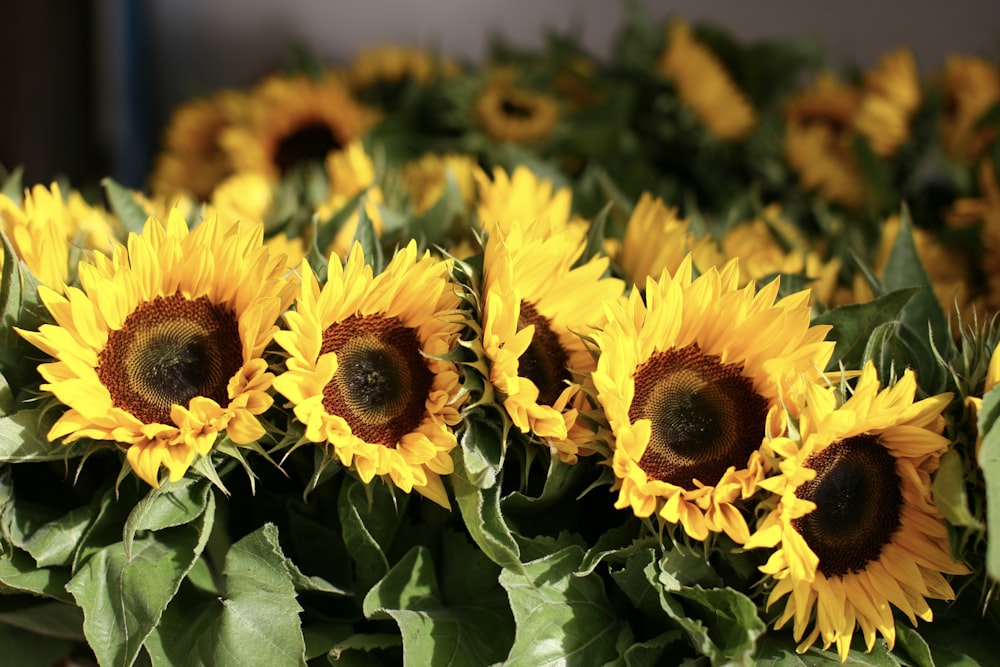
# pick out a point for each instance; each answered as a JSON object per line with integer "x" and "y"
{"x": 508, "y": 111}
{"x": 971, "y": 86}
{"x": 853, "y": 520}
{"x": 160, "y": 350}
{"x": 890, "y": 96}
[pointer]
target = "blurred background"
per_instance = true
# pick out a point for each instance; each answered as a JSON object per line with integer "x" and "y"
{"x": 86, "y": 86}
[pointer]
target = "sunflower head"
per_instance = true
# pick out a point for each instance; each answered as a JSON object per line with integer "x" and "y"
{"x": 852, "y": 520}
{"x": 523, "y": 197}
{"x": 692, "y": 380}
{"x": 160, "y": 350}
{"x": 425, "y": 178}
{"x": 971, "y": 86}
{"x": 704, "y": 85}
{"x": 365, "y": 369}
{"x": 509, "y": 112}
{"x": 823, "y": 158}
{"x": 890, "y": 98}
{"x": 292, "y": 120}
{"x": 536, "y": 310}
{"x": 192, "y": 159}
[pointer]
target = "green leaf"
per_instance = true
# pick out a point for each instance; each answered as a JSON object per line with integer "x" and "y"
{"x": 912, "y": 645}
{"x": 905, "y": 269}
{"x": 19, "y": 572}
{"x": 722, "y": 623}
{"x": 989, "y": 462}
{"x": 480, "y": 509}
{"x": 777, "y": 649}
{"x": 854, "y": 324}
{"x": 173, "y": 504}
{"x": 26, "y": 649}
{"x": 125, "y": 205}
{"x": 254, "y": 622}
{"x": 42, "y": 617}
{"x": 595, "y": 235}
{"x": 55, "y": 542}
{"x": 369, "y": 518}
{"x": 328, "y": 228}
{"x": 13, "y": 185}
{"x": 619, "y": 542}
{"x": 633, "y": 581}
{"x": 123, "y": 597}
{"x": 950, "y": 494}
{"x": 346, "y": 651}
{"x": 651, "y": 653}
{"x": 10, "y": 293}
{"x": 482, "y": 447}
{"x": 561, "y": 619}
{"x": 22, "y": 437}
{"x": 365, "y": 235}
{"x": 472, "y": 627}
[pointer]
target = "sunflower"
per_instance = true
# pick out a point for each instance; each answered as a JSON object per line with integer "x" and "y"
{"x": 853, "y": 519}
{"x": 246, "y": 196}
{"x": 704, "y": 85}
{"x": 364, "y": 369}
{"x": 691, "y": 381}
{"x": 47, "y": 230}
{"x": 657, "y": 240}
{"x": 192, "y": 160}
{"x": 524, "y": 197}
{"x": 509, "y": 112}
{"x": 817, "y": 143}
{"x": 160, "y": 351}
{"x": 770, "y": 244}
{"x": 391, "y": 64}
{"x": 351, "y": 171}
{"x": 291, "y": 120}
{"x": 425, "y": 178}
{"x": 971, "y": 87}
{"x": 536, "y": 307}
{"x": 891, "y": 96}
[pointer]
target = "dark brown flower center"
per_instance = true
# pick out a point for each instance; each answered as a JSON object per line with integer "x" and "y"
{"x": 545, "y": 361}
{"x": 705, "y": 416}
{"x": 516, "y": 108}
{"x": 858, "y": 504}
{"x": 309, "y": 143}
{"x": 382, "y": 380}
{"x": 168, "y": 351}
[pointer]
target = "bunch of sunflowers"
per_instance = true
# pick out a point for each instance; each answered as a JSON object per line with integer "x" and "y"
{"x": 683, "y": 357}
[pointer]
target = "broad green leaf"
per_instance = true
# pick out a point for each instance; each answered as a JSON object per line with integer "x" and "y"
{"x": 173, "y": 504}
{"x": 42, "y": 617}
{"x": 472, "y": 627}
{"x": 254, "y": 622}
{"x": 123, "y": 596}
{"x": 480, "y": 509}
{"x": 369, "y": 524}
{"x": 363, "y": 649}
{"x": 366, "y": 236}
{"x": 55, "y": 542}
{"x": 26, "y": 649}
{"x": 561, "y": 619}
{"x": 910, "y": 644}
{"x": 989, "y": 462}
{"x": 853, "y": 325}
{"x": 19, "y": 572}
{"x": 620, "y": 541}
{"x": 633, "y": 581}
{"x": 482, "y": 447}
{"x": 321, "y": 638}
{"x": 722, "y": 623}
{"x": 22, "y": 437}
{"x": 653, "y": 652}
{"x": 10, "y": 293}
{"x": 950, "y": 494}
{"x": 595, "y": 235}
{"x": 6, "y": 397}
{"x": 903, "y": 269}
{"x": 125, "y": 205}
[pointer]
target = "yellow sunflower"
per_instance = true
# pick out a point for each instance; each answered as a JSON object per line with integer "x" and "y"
{"x": 704, "y": 85}
{"x": 425, "y": 178}
{"x": 971, "y": 86}
{"x": 817, "y": 144}
{"x": 50, "y": 231}
{"x": 771, "y": 244}
{"x": 389, "y": 63}
{"x": 293, "y": 119}
{"x": 509, "y": 112}
{"x": 891, "y": 96}
{"x": 691, "y": 380}
{"x": 853, "y": 519}
{"x": 524, "y": 197}
{"x": 161, "y": 349}
{"x": 536, "y": 307}
{"x": 363, "y": 369}
{"x": 350, "y": 171}
{"x": 656, "y": 240}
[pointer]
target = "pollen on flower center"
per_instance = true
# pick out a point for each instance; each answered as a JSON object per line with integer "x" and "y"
{"x": 705, "y": 416}
{"x": 544, "y": 362}
{"x": 858, "y": 504}
{"x": 309, "y": 143}
{"x": 382, "y": 381}
{"x": 169, "y": 351}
